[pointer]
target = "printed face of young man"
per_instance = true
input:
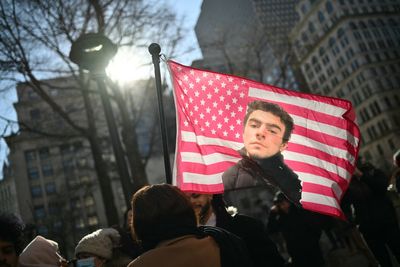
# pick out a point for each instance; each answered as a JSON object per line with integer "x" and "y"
{"x": 8, "y": 255}
{"x": 263, "y": 135}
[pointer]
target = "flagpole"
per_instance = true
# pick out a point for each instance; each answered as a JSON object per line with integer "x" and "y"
{"x": 155, "y": 50}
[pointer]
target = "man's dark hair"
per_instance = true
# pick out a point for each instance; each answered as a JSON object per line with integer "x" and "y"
{"x": 11, "y": 230}
{"x": 161, "y": 210}
{"x": 276, "y": 110}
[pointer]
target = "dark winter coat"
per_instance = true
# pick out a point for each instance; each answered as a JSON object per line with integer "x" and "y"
{"x": 271, "y": 171}
{"x": 301, "y": 230}
{"x": 262, "y": 250}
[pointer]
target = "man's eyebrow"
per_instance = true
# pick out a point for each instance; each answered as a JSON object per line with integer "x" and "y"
{"x": 273, "y": 125}
{"x": 255, "y": 120}
{"x": 270, "y": 125}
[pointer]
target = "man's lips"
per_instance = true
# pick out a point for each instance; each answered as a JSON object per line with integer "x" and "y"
{"x": 256, "y": 144}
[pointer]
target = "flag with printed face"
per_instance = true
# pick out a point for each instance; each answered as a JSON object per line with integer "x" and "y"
{"x": 210, "y": 110}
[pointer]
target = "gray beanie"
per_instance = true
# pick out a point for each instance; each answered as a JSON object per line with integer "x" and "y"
{"x": 99, "y": 243}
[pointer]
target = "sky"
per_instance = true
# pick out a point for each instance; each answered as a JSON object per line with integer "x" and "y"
{"x": 189, "y": 8}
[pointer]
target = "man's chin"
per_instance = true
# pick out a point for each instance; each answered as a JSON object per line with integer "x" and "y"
{"x": 258, "y": 155}
{"x": 255, "y": 155}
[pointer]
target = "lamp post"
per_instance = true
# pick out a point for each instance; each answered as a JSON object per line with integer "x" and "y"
{"x": 154, "y": 50}
{"x": 93, "y": 52}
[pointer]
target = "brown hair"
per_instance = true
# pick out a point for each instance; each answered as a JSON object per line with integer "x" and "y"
{"x": 276, "y": 110}
{"x": 160, "y": 208}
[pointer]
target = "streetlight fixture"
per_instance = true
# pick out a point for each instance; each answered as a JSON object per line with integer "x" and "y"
{"x": 92, "y": 52}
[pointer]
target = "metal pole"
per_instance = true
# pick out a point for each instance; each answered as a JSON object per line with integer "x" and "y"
{"x": 122, "y": 166}
{"x": 155, "y": 50}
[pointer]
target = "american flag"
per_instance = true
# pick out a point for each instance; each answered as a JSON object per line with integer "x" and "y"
{"x": 210, "y": 109}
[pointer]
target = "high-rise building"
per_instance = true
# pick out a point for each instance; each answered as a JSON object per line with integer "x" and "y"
{"x": 232, "y": 41}
{"x": 278, "y": 17}
{"x": 351, "y": 49}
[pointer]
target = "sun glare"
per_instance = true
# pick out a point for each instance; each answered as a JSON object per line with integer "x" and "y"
{"x": 127, "y": 66}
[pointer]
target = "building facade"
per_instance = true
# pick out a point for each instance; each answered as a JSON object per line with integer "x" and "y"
{"x": 351, "y": 50}
{"x": 51, "y": 181}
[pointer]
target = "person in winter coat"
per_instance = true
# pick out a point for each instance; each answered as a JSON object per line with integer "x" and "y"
{"x": 374, "y": 212}
{"x": 211, "y": 210}
{"x": 102, "y": 248}
{"x": 301, "y": 230}
{"x": 165, "y": 224}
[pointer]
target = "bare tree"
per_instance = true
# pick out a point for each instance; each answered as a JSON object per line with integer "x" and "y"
{"x": 35, "y": 39}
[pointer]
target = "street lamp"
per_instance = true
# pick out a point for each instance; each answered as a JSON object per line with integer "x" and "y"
{"x": 92, "y": 52}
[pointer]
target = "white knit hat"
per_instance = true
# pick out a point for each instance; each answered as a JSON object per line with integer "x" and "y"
{"x": 99, "y": 243}
{"x": 40, "y": 252}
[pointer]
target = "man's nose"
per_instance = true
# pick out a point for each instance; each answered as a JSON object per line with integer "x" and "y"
{"x": 260, "y": 132}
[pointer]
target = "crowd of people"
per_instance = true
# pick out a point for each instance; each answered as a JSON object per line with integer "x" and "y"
{"x": 168, "y": 227}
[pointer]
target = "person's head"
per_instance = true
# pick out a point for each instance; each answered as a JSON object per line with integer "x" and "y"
{"x": 281, "y": 202}
{"x": 11, "y": 239}
{"x": 40, "y": 252}
{"x": 267, "y": 129}
{"x": 202, "y": 206}
{"x": 98, "y": 245}
{"x": 160, "y": 210}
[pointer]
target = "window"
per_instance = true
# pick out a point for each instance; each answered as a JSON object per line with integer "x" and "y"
{"x": 47, "y": 169}
{"x": 321, "y": 17}
{"x": 89, "y": 201}
{"x": 93, "y": 220}
{"x": 30, "y": 155}
{"x": 33, "y": 173}
{"x": 39, "y": 212}
{"x": 68, "y": 166}
{"x": 377, "y": 107}
{"x": 36, "y": 191}
{"x": 321, "y": 51}
{"x": 79, "y": 223}
{"x": 50, "y": 188}
{"x": 84, "y": 179}
{"x": 331, "y": 42}
{"x": 329, "y": 7}
{"x": 304, "y": 9}
{"x": 340, "y": 33}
